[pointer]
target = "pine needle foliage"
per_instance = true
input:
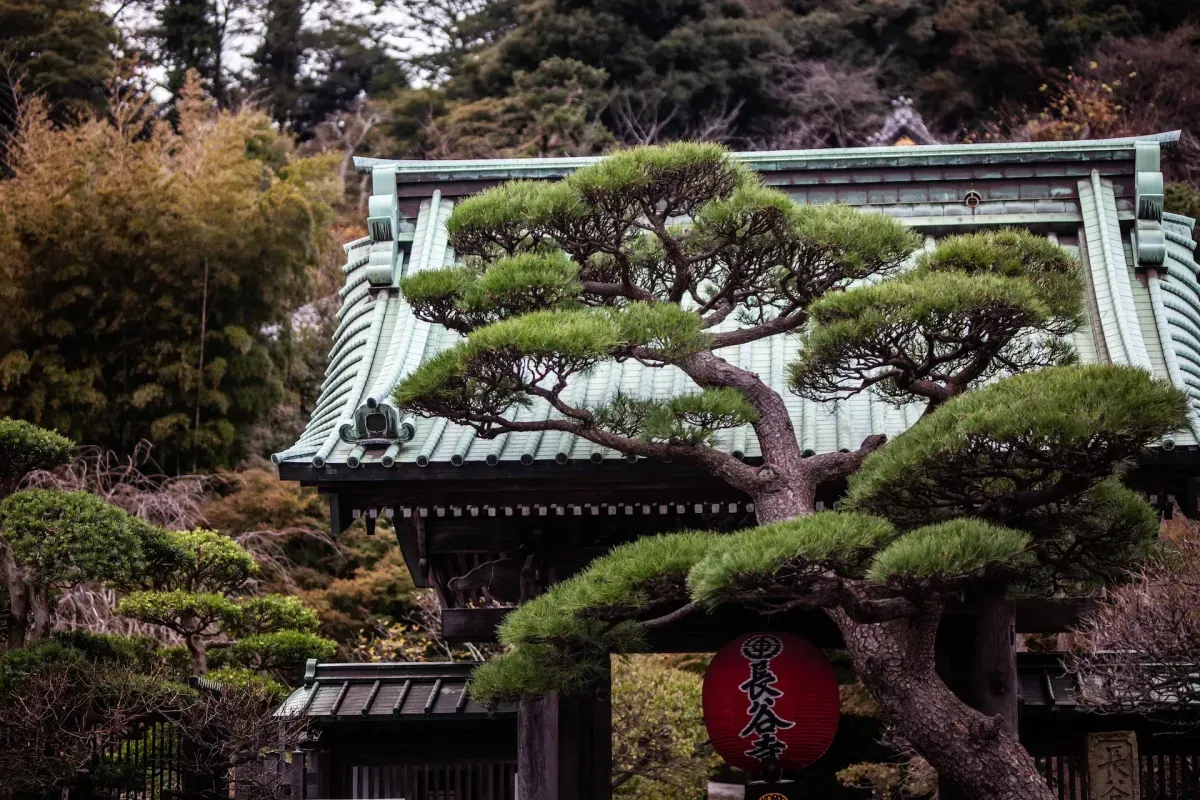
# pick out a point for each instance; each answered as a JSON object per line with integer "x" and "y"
{"x": 638, "y": 256}
{"x": 1017, "y": 444}
{"x": 1089, "y": 541}
{"x": 465, "y": 299}
{"x": 686, "y": 419}
{"x": 976, "y": 307}
{"x": 631, "y": 579}
{"x": 677, "y": 257}
{"x": 777, "y": 560}
{"x": 562, "y": 638}
{"x": 950, "y": 552}
{"x": 536, "y": 670}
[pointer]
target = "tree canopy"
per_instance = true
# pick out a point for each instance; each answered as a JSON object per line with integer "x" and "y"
{"x": 669, "y": 254}
{"x": 202, "y": 597}
{"x": 224, "y": 225}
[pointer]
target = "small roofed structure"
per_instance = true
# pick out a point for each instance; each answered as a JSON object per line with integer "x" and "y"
{"x": 903, "y": 127}
{"x": 401, "y": 730}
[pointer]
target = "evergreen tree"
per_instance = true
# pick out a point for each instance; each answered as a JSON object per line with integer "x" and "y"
{"x": 689, "y": 59}
{"x": 51, "y": 541}
{"x": 194, "y": 35}
{"x": 553, "y": 111}
{"x": 201, "y": 597}
{"x": 60, "y": 49}
{"x": 999, "y": 488}
{"x": 280, "y": 54}
{"x": 345, "y": 62}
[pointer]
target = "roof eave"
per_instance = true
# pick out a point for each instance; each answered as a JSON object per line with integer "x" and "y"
{"x": 773, "y": 160}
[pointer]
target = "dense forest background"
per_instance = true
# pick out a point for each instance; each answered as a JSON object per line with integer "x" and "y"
{"x": 176, "y": 180}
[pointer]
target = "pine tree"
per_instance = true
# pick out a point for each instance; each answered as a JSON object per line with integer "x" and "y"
{"x": 201, "y": 596}
{"x": 193, "y": 35}
{"x": 1006, "y": 484}
{"x": 60, "y": 49}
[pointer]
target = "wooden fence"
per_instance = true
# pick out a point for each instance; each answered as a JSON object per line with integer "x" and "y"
{"x": 486, "y": 780}
{"x": 1164, "y": 776}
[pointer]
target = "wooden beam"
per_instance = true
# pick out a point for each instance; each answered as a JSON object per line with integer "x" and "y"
{"x": 341, "y": 515}
{"x": 471, "y": 624}
{"x": 1051, "y": 616}
{"x": 407, "y": 533}
{"x": 475, "y": 535}
{"x": 708, "y": 633}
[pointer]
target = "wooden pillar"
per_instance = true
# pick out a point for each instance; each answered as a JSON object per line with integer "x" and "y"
{"x": 297, "y": 785}
{"x": 994, "y": 662}
{"x": 564, "y": 747}
{"x": 316, "y": 778}
{"x": 977, "y": 658}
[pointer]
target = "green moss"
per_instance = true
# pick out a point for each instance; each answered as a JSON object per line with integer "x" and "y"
{"x": 776, "y": 554}
{"x": 949, "y": 551}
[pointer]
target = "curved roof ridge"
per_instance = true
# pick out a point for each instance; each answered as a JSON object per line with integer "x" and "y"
{"x": 764, "y": 160}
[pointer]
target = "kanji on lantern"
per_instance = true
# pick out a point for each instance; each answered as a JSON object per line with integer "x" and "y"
{"x": 770, "y": 700}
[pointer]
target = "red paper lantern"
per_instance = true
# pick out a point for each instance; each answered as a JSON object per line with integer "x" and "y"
{"x": 770, "y": 697}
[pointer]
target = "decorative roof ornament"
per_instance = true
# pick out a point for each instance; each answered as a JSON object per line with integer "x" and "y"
{"x": 903, "y": 127}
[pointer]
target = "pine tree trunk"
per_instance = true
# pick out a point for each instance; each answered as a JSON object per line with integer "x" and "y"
{"x": 18, "y": 598}
{"x": 198, "y": 653}
{"x": 972, "y": 753}
{"x": 40, "y": 611}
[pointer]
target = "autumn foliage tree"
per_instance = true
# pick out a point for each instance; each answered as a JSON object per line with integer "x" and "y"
{"x": 1002, "y": 486}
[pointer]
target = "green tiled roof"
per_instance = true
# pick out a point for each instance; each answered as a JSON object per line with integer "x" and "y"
{"x": 1099, "y": 199}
